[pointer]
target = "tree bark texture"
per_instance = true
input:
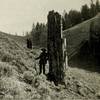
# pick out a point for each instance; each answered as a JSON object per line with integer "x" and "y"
{"x": 55, "y": 47}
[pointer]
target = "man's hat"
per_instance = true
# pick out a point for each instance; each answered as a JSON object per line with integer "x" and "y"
{"x": 43, "y": 49}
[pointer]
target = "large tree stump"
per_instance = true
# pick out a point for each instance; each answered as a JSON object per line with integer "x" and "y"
{"x": 55, "y": 47}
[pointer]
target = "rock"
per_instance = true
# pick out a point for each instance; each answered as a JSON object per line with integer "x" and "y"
{"x": 98, "y": 95}
{"x": 2, "y": 93}
{"x": 82, "y": 91}
{"x": 28, "y": 90}
{"x": 28, "y": 77}
{"x": 79, "y": 84}
{"x": 58, "y": 89}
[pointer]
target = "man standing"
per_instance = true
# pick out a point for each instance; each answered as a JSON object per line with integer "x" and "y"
{"x": 43, "y": 60}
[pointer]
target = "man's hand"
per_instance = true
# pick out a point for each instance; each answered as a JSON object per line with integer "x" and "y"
{"x": 37, "y": 58}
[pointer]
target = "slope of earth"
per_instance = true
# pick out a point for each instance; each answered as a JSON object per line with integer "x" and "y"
{"x": 19, "y": 78}
{"x": 76, "y": 35}
{"x": 19, "y": 39}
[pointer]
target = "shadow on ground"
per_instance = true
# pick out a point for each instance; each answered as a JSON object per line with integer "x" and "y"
{"x": 84, "y": 60}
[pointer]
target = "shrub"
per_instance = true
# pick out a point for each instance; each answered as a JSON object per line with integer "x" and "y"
{"x": 6, "y": 69}
{"x": 12, "y": 89}
{"x": 6, "y": 57}
{"x": 28, "y": 77}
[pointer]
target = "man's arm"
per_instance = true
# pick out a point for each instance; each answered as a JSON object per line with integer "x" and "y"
{"x": 37, "y": 58}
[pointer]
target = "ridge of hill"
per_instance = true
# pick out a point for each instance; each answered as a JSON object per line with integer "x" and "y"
{"x": 79, "y": 33}
{"x": 19, "y": 39}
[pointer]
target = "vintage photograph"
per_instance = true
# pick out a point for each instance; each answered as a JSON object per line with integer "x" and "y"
{"x": 49, "y": 49}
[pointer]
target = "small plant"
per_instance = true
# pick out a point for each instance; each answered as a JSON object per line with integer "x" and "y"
{"x": 6, "y": 69}
{"x": 28, "y": 77}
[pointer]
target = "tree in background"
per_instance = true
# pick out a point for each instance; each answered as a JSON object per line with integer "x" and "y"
{"x": 75, "y": 17}
{"x": 70, "y": 19}
{"x": 43, "y": 36}
{"x": 39, "y": 34}
{"x": 94, "y": 8}
{"x": 85, "y": 12}
{"x": 66, "y": 21}
{"x": 93, "y": 11}
{"x": 97, "y": 6}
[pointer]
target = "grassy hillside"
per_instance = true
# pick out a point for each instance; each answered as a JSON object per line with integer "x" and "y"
{"x": 79, "y": 33}
{"x": 15, "y": 63}
{"x": 19, "y": 39}
{"x": 19, "y": 78}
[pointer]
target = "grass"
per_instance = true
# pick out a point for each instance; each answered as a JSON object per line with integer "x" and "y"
{"x": 6, "y": 70}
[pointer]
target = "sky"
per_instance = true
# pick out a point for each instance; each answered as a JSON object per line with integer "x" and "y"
{"x": 17, "y": 16}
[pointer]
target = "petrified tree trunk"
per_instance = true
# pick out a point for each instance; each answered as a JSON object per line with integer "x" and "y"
{"x": 55, "y": 47}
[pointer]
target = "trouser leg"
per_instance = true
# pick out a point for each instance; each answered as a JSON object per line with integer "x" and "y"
{"x": 40, "y": 68}
{"x": 43, "y": 68}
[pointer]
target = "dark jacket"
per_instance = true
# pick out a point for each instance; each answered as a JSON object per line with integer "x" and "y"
{"x": 43, "y": 58}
